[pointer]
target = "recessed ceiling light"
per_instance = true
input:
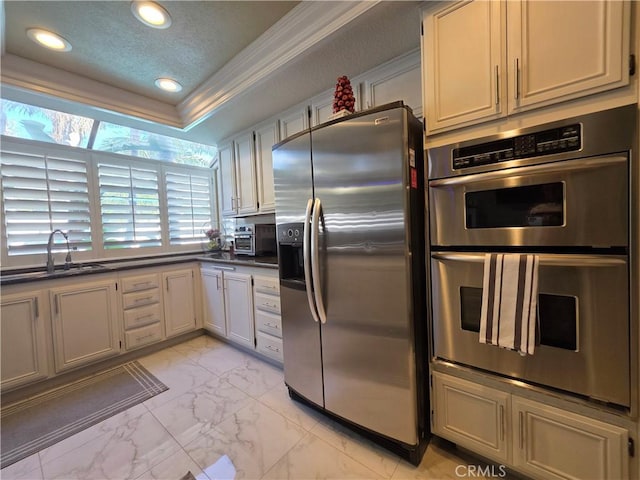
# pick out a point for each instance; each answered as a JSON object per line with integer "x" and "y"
{"x": 151, "y": 14}
{"x": 168, "y": 85}
{"x": 48, "y": 39}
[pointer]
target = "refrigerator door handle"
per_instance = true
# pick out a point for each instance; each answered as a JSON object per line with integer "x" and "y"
{"x": 315, "y": 262}
{"x": 306, "y": 254}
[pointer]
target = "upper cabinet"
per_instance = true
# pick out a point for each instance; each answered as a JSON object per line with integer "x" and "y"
{"x": 228, "y": 191}
{"x": 266, "y": 136}
{"x": 293, "y": 121}
{"x": 484, "y": 60}
{"x": 246, "y": 200}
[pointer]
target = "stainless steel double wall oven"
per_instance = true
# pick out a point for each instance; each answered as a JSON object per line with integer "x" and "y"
{"x": 566, "y": 191}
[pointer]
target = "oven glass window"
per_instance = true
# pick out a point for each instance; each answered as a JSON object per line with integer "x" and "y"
{"x": 530, "y": 206}
{"x": 557, "y": 315}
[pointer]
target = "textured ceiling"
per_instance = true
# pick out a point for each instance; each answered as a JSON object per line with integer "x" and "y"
{"x": 203, "y": 38}
{"x": 110, "y": 45}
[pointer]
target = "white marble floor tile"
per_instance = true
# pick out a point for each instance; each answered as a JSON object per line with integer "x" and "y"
{"x": 26, "y": 469}
{"x": 197, "y": 346}
{"x": 125, "y": 453}
{"x": 254, "y": 377}
{"x": 180, "y": 378}
{"x": 174, "y": 468}
{"x": 163, "y": 361}
{"x": 357, "y": 447}
{"x": 221, "y": 359}
{"x": 197, "y": 410}
{"x": 443, "y": 460}
{"x": 107, "y": 426}
{"x": 245, "y": 445}
{"x": 278, "y": 399}
{"x": 313, "y": 458}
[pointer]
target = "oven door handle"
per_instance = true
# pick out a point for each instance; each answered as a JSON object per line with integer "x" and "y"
{"x": 556, "y": 260}
{"x": 545, "y": 168}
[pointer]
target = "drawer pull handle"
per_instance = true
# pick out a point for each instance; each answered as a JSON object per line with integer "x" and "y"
{"x": 144, "y": 337}
{"x": 272, "y": 325}
{"x": 143, "y": 299}
{"x": 141, "y": 284}
{"x": 144, "y": 317}
{"x": 273, "y": 349}
{"x": 270, "y": 305}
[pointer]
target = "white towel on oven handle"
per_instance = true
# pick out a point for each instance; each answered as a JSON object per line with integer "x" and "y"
{"x": 509, "y": 301}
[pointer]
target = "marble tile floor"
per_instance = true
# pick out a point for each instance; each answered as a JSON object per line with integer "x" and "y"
{"x": 226, "y": 415}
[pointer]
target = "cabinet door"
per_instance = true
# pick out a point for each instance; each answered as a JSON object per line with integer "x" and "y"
{"x": 472, "y": 415}
{"x": 400, "y": 79}
{"x": 213, "y": 296}
{"x": 555, "y": 444}
{"x": 179, "y": 302}
{"x": 464, "y": 48}
{"x": 563, "y": 50}
{"x": 228, "y": 192}
{"x": 239, "y": 306}
{"x": 293, "y": 122}
{"x": 266, "y": 137}
{"x": 322, "y": 108}
{"x": 85, "y": 323}
{"x": 24, "y": 348}
{"x": 246, "y": 174}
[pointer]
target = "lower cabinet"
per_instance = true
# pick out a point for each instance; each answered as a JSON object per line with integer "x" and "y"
{"x": 85, "y": 323}
{"x": 238, "y": 302}
{"x": 536, "y": 439}
{"x": 215, "y": 319}
{"x": 142, "y": 310}
{"x": 266, "y": 295}
{"x": 24, "y": 339}
{"x": 179, "y": 301}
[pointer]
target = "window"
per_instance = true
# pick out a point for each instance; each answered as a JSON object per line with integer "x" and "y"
{"x": 42, "y": 193}
{"x": 138, "y": 143}
{"x": 130, "y": 206}
{"x": 189, "y": 206}
{"x": 37, "y": 123}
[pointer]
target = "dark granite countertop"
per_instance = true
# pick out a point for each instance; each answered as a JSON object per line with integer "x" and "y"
{"x": 32, "y": 274}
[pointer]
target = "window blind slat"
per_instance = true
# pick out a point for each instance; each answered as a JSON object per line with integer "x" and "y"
{"x": 188, "y": 207}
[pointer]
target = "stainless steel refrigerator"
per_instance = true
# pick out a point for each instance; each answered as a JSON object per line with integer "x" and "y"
{"x": 350, "y": 226}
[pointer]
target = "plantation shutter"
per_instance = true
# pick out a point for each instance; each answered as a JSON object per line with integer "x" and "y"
{"x": 189, "y": 207}
{"x": 129, "y": 206}
{"x": 42, "y": 193}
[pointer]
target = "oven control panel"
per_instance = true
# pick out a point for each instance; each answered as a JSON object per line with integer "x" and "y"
{"x": 547, "y": 142}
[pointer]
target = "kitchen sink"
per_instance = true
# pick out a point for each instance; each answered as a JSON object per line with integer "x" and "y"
{"x": 40, "y": 274}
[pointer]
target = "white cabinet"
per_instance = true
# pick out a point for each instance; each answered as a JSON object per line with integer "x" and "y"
{"x": 228, "y": 191}
{"x": 563, "y": 50}
{"x": 472, "y": 415}
{"x": 266, "y": 136}
{"x": 246, "y": 202}
{"x": 322, "y": 107}
{"x": 24, "y": 345}
{"x": 215, "y": 319}
{"x": 85, "y": 323}
{"x": 399, "y": 79}
{"x": 293, "y": 121}
{"x": 238, "y": 302}
{"x": 484, "y": 60}
{"x": 556, "y": 444}
{"x": 179, "y": 302}
{"x": 536, "y": 439}
{"x": 142, "y": 309}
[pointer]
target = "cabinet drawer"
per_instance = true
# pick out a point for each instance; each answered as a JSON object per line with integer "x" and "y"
{"x": 269, "y": 345}
{"x": 268, "y": 285}
{"x": 141, "y": 282}
{"x": 137, "y": 317}
{"x": 138, "y": 299}
{"x": 267, "y": 303}
{"x": 143, "y": 336}
{"x": 269, "y": 323}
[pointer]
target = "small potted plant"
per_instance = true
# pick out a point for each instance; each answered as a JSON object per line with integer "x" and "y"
{"x": 213, "y": 234}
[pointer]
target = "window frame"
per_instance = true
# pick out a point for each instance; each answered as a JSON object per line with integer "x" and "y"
{"x": 92, "y": 159}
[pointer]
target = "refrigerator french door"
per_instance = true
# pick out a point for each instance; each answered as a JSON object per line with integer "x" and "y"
{"x": 349, "y": 210}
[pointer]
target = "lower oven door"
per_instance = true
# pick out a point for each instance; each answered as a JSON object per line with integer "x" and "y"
{"x": 583, "y": 314}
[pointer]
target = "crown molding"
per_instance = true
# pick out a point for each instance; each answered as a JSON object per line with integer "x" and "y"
{"x": 36, "y": 77}
{"x": 302, "y": 28}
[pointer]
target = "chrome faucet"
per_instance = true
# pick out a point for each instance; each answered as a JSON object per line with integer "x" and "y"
{"x": 67, "y": 260}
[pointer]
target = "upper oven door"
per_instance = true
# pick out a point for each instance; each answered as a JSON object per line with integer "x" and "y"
{"x": 583, "y": 202}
